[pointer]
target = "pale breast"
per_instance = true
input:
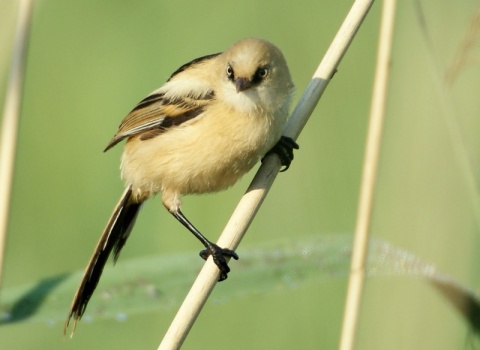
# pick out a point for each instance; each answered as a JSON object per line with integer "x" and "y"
{"x": 207, "y": 155}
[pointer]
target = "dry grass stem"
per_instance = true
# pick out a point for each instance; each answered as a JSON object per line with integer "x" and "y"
{"x": 251, "y": 201}
{"x": 464, "y": 54}
{"x": 11, "y": 113}
{"x": 369, "y": 175}
{"x": 450, "y": 114}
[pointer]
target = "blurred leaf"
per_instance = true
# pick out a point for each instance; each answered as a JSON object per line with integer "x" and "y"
{"x": 160, "y": 282}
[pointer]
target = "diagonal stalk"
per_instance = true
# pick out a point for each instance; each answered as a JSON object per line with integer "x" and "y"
{"x": 263, "y": 180}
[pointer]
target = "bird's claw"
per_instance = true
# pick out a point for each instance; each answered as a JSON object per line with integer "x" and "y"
{"x": 284, "y": 149}
{"x": 218, "y": 254}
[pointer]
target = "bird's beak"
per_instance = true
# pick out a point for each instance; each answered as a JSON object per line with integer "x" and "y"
{"x": 242, "y": 84}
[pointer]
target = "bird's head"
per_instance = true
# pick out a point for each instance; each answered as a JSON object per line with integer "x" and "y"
{"x": 256, "y": 75}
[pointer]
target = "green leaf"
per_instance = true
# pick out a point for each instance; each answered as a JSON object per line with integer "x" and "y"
{"x": 157, "y": 283}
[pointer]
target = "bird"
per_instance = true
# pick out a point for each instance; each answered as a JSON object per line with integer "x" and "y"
{"x": 202, "y": 130}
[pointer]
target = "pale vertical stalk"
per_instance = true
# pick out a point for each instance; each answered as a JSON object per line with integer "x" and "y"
{"x": 369, "y": 176}
{"x": 253, "y": 198}
{"x": 11, "y": 112}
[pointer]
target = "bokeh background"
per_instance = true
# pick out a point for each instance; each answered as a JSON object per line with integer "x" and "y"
{"x": 90, "y": 62}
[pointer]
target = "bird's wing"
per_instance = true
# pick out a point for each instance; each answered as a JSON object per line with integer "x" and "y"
{"x": 183, "y": 97}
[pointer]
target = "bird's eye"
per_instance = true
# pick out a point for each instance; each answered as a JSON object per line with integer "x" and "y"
{"x": 262, "y": 72}
{"x": 230, "y": 72}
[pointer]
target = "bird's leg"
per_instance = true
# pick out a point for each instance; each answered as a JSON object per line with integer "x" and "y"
{"x": 284, "y": 149}
{"x": 218, "y": 254}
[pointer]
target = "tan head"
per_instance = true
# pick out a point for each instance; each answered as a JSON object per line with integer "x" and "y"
{"x": 255, "y": 73}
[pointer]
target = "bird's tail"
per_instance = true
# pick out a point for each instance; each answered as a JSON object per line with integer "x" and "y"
{"x": 113, "y": 239}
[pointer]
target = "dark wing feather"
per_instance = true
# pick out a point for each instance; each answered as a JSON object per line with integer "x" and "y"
{"x": 156, "y": 113}
{"x": 193, "y": 62}
{"x": 112, "y": 240}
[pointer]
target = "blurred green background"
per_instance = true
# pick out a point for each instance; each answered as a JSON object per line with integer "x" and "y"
{"x": 90, "y": 62}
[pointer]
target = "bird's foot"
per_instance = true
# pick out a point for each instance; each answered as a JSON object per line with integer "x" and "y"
{"x": 284, "y": 149}
{"x": 218, "y": 254}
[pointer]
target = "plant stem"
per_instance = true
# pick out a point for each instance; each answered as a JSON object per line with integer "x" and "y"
{"x": 11, "y": 113}
{"x": 369, "y": 176}
{"x": 258, "y": 189}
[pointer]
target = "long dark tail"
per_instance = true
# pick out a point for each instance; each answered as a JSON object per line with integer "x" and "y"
{"x": 113, "y": 239}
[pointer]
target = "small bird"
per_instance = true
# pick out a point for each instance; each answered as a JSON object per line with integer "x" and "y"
{"x": 208, "y": 125}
